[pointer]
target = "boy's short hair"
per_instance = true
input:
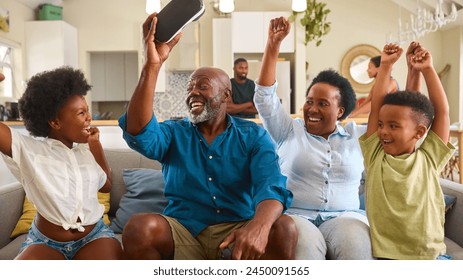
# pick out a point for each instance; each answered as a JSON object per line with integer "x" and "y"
{"x": 346, "y": 91}
{"x": 418, "y": 102}
{"x": 46, "y": 93}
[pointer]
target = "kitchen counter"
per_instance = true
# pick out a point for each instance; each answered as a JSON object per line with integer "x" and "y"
{"x": 94, "y": 123}
{"x": 359, "y": 120}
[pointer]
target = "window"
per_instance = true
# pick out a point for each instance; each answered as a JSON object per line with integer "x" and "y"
{"x": 6, "y": 87}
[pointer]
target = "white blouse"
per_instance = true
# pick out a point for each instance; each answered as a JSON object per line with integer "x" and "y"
{"x": 62, "y": 183}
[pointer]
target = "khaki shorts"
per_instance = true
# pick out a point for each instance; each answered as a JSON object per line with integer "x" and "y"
{"x": 205, "y": 246}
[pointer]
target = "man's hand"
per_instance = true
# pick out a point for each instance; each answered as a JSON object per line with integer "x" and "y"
{"x": 249, "y": 241}
{"x": 156, "y": 52}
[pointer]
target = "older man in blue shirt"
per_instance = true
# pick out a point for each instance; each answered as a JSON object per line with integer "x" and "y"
{"x": 223, "y": 181}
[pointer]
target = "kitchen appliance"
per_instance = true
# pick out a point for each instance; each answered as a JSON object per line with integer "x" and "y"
{"x": 12, "y": 111}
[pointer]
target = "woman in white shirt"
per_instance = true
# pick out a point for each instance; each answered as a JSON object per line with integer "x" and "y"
{"x": 61, "y": 171}
{"x": 321, "y": 159}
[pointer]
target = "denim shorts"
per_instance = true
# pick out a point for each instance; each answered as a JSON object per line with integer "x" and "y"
{"x": 70, "y": 248}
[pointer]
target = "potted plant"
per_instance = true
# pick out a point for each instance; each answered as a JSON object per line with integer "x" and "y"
{"x": 314, "y": 20}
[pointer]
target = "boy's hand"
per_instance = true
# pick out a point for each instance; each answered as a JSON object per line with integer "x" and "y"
{"x": 278, "y": 30}
{"x": 391, "y": 53}
{"x": 412, "y": 49}
{"x": 422, "y": 60}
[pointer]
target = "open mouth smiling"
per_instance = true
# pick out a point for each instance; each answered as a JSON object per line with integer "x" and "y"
{"x": 195, "y": 105}
{"x": 312, "y": 119}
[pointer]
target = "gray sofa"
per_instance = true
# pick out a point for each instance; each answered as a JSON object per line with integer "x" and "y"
{"x": 12, "y": 197}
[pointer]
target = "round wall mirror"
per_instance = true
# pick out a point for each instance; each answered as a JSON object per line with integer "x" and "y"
{"x": 354, "y": 66}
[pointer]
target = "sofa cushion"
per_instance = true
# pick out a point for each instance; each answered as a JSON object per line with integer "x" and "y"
{"x": 120, "y": 159}
{"x": 449, "y": 201}
{"x": 453, "y": 249}
{"x": 25, "y": 221}
{"x": 29, "y": 211}
{"x": 11, "y": 250}
{"x": 145, "y": 194}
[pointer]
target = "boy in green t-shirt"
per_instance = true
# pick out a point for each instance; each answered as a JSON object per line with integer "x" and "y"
{"x": 404, "y": 201}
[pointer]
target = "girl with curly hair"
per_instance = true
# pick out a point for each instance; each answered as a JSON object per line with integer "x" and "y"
{"x": 61, "y": 169}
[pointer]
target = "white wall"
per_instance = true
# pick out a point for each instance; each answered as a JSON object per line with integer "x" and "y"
{"x": 19, "y": 14}
{"x": 115, "y": 25}
{"x": 453, "y": 81}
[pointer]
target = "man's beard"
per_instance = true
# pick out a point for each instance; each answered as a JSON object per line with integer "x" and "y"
{"x": 208, "y": 113}
{"x": 242, "y": 77}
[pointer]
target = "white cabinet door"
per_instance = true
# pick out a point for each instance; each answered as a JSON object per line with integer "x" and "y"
{"x": 131, "y": 74}
{"x": 114, "y": 75}
{"x": 50, "y": 44}
{"x": 97, "y": 76}
{"x": 247, "y": 35}
{"x": 250, "y": 29}
{"x": 185, "y": 55}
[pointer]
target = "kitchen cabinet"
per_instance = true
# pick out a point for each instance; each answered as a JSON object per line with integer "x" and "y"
{"x": 114, "y": 75}
{"x": 50, "y": 44}
{"x": 185, "y": 55}
{"x": 250, "y": 29}
{"x": 282, "y": 75}
{"x": 222, "y": 54}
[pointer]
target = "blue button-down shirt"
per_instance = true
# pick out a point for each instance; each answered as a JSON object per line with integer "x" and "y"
{"x": 211, "y": 184}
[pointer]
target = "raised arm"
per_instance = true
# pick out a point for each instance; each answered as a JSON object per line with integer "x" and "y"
{"x": 140, "y": 109}
{"x": 390, "y": 54}
{"x": 278, "y": 30}
{"x": 441, "y": 124}
{"x": 413, "y": 75}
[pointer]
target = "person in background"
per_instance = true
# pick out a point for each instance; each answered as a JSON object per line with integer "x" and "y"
{"x": 404, "y": 201}
{"x": 321, "y": 158}
{"x": 62, "y": 171}
{"x": 222, "y": 179}
{"x": 241, "y": 104}
{"x": 393, "y": 86}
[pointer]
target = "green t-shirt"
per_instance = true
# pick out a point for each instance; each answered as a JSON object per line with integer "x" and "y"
{"x": 404, "y": 201}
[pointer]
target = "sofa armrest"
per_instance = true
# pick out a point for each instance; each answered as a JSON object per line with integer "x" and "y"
{"x": 11, "y": 206}
{"x": 454, "y": 217}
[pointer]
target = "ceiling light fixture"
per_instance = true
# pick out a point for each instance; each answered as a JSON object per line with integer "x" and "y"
{"x": 153, "y": 6}
{"x": 226, "y": 6}
{"x": 424, "y": 21}
{"x": 299, "y": 5}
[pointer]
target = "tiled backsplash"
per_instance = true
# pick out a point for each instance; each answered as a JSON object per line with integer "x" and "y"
{"x": 171, "y": 103}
